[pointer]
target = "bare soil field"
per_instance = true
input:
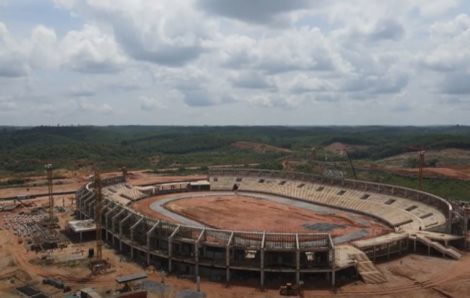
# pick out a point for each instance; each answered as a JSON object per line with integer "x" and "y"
{"x": 74, "y": 183}
{"x": 446, "y": 157}
{"x": 339, "y": 148}
{"x": 245, "y": 213}
{"x": 461, "y": 173}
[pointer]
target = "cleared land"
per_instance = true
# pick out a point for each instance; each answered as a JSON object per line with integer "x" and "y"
{"x": 245, "y": 213}
{"x": 411, "y": 275}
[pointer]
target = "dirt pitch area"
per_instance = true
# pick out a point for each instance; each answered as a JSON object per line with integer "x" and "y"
{"x": 244, "y": 213}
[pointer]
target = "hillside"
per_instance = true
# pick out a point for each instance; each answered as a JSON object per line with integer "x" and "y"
{"x": 373, "y": 149}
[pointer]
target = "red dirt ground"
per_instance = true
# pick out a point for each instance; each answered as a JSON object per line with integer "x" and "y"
{"x": 462, "y": 173}
{"x": 72, "y": 184}
{"x": 244, "y": 213}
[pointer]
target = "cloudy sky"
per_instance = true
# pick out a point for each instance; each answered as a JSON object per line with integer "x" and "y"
{"x": 243, "y": 62}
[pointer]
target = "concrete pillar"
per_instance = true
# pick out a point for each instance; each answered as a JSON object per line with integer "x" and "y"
{"x": 333, "y": 273}
{"x": 375, "y": 253}
{"x": 106, "y": 221}
{"x": 148, "y": 234}
{"x": 170, "y": 248}
{"x": 388, "y": 250}
{"x": 148, "y": 249}
{"x": 196, "y": 259}
{"x": 227, "y": 264}
{"x": 227, "y": 257}
{"x": 262, "y": 268}
{"x": 170, "y": 253}
{"x": 297, "y": 267}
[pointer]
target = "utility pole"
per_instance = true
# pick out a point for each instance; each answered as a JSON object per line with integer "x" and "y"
{"x": 98, "y": 209}
{"x": 48, "y": 168}
{"x": 421, "y": 165}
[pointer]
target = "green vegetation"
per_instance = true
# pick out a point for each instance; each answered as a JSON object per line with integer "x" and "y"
{"x": 447, "y": 188}
{"x": 26, "y": 150}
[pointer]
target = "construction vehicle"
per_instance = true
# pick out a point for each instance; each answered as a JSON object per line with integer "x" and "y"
{"x": 59, "y": 284}
{"x": 289, "y": 290}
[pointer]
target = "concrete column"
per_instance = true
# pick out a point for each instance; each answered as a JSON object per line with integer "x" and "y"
{"x": 262, "y": 261}
{"x": 297, "y": 267}
{"x": 375, "y": 253}
{"x": 196, "y": 251}
{"x": 227, "y": 264}
{"x": 333, "y": 273}
{"x": 388, "y": 250}
{"x": 148, "y": 234}
{"x": 170, "y": 253}
{"x": 227, "y": 257}
{"x": 170, "y": 248}
{"x": 196, "y": 259}
{"x": 262, "y": 268}
{"x": 297, "y": 259}
{"x": 113, "y": 224}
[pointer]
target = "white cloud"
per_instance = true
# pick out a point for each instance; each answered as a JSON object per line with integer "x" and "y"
{"x": 151, "y": 103}
{"x": 266, "y": 60}
{"x": 12, "y": 56}
{"x": 101, "y": 108}
{"x": 90, "y": 50}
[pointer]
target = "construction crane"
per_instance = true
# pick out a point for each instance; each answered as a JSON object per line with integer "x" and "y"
{"x": 351, "y": 164}
{"x": 421, "y": 162}
{"x": 98, "y": 209}
{"x": 48, "y": 168}
{"x": 98, "y": 265}
{"x": 124, "y": 173}
{"x": 422, "y": 154}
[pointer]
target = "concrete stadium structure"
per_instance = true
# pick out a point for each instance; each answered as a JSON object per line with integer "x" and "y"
{"x": 419, "y": 220}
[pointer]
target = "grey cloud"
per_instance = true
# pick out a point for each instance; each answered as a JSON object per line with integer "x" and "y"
{"x": 7, "y": 105}
{"x": 255, "y": 11}
{"x": 326, "y": 97}
{"x": 386, "y": 30}
{"x": 12, "y": 68}
{"x": 402, "y": 107}
{"x": 134, "y": 43}
{"x": 166, "y": 37}
{"x": 375, "y": 85}
{"x": 195, "y": 93}
{"x": 81, "y": 92}
{"x": 251, "y": 80}
{"x": 378, "y": 31}
{"x": 456, "y": 83}
{"x": 199, "y": 97}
